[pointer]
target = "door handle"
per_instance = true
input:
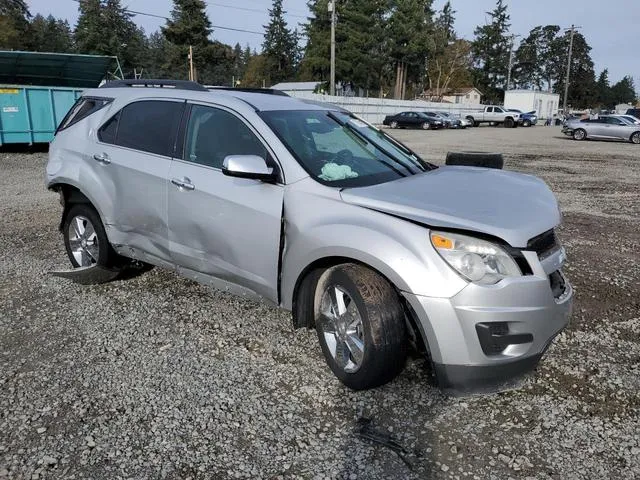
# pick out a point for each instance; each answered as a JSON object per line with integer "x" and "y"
{"x": 184, "y": 183}
{"x": 102, "y": 158}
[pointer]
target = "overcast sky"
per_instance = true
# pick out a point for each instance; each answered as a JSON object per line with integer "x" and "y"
{"x": 611, "y": 27}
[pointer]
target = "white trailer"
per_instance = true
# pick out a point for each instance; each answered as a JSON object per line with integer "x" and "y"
{"x": 545, "y": 104}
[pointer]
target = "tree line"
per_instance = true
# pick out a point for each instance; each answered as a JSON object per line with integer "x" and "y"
{"x": 387, "y": 48}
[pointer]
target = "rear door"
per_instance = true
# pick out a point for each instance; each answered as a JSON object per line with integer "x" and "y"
{"x": 616, "y": 128}
{"x": 222, "y": 229}
{"x": 133, "y": 155}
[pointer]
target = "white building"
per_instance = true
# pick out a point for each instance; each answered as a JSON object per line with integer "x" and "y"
{"x": 468, "y": 96}
{"x": 545, "y": 104}
{"x": 622, "y": 108}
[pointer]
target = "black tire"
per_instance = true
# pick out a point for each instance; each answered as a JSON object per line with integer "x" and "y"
{"x": 383, "y": 330}
{"x": 106, "y": 255}
{"x": 472, "y": 121}
{"x": 579, "y": 134}
{"x": 393, "y": 124}
{"x": 526, "y": 123}
{"x": 508, "y": 123}
{"x": 476, "y": 124}
{"x": 425, "y": 126}
{"x": 635, "y": 138}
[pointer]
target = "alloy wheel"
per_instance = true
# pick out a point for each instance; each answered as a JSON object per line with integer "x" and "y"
{"x": 83, "y": 241}
{"x": 342, "y": 328}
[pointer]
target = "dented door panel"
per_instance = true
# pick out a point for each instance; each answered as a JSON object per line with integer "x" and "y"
{"x": 227, "y": 228}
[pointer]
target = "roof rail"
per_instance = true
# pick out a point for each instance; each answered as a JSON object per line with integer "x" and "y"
{"x": 268, "y": 91}
{"x": 178, "y": 84}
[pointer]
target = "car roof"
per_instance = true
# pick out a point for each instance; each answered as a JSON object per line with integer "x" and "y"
{"x": 258, "y": 100}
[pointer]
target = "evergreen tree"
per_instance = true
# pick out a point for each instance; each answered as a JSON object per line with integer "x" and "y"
{"x": 154, "y": 64}
{"x": 280, "y": 47}
{"x": 624, "y": 91}
{"x": 106, "y": 28}
{"x": 190, "y": 26}
{"x": 315, "y": 64}
{"x": 14, "y": 24}
{"x": 410, "y": 28}
{"x": 583, "y": 90}
{"x": 491, "y": 50}
{"x": 603, "y": 88}
{"x": 446, "y": 21}
{"x": 49, "y": 35}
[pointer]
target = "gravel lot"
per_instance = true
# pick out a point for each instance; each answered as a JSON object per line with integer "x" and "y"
{"x": 158, "y": 377}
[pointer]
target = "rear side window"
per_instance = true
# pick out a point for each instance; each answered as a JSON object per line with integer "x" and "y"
{"x": 149, "y": 126}
{"x": 84, "y": 107}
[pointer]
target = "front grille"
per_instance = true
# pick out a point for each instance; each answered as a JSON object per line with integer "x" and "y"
{"x": 544, "y": 244}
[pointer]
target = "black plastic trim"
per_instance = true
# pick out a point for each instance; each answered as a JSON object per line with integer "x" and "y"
{"x": 493, "y": 344}
{"x": 465, "y": 379}
{"x": 156, "y": 83}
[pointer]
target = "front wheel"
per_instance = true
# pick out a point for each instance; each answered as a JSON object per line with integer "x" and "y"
{"x": 579, "y": 134}
{"x": 509, "y": 123}
{"x": 393, "y": 124}
{"x": 85, "y": 239}
{"x": 360, "y": 325}
{"x": 635, "y": 138}
{"x": 526, "y": 123}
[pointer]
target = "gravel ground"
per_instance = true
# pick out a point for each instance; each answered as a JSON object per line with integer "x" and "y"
{"x": 159, "y": 377}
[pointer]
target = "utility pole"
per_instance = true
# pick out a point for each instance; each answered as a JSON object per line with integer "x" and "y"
{"x": 566, "y": 84}
{"x": 191, "y": 63}
{"x": 513, "y": 38}
{"x": 332, "y": 84}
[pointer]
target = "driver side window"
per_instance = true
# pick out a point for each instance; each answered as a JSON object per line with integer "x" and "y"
{"x": 214, "y": 134}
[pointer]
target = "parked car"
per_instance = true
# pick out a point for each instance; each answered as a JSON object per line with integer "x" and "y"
{"x": 603, "y": 128}
{"x": 310, "y": 208}
{"x": 629, "y": 118}
{"x": 449, "y": 120}
{"x": 527, "y": 119}
{"x": 413, "y": 120}
{"x": 634, "y": 112}
{"x": 494, "y": 115}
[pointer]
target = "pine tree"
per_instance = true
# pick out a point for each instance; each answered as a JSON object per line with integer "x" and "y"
{"x": 315, "y": 64}
{"x": 106, "y": 28}
{"x": 624, "y": 91}
{"x": 491, "y": 50}
{"x": 14, "y": 24}
{"x": 280, "y": 47}
{"x": 49, "y": 35}
{"x": 605, "y": 99}
{"x": 583, "y": 90}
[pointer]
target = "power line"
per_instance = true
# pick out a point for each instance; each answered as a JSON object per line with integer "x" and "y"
{"x": 153, "y": 15}
{"x": 247, "y": 9}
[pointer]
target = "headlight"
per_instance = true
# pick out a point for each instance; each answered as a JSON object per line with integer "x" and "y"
{"x": 477, "y": 260}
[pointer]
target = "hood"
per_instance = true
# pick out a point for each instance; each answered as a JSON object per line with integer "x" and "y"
{"x": 507, "y": 205}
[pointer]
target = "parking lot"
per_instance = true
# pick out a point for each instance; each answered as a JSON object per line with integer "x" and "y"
{"x": 159, "y": 377}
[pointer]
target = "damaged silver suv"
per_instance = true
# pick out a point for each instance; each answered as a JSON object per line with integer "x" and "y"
{"x": 310, "y": 208}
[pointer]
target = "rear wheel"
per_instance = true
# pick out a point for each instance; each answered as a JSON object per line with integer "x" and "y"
{"x": 579, "y": 134}
{"x": 425, "y": 126}
{"x": 393, "y": 124}
{"x": 360, "y": 325}
{"x": 635, "y": 138}
{"x": 85, "y": 239}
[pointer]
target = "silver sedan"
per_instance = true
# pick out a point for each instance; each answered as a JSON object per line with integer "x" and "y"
{"x": 603, "y": 128}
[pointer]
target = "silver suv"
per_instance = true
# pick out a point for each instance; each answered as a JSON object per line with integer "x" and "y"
{"x": 312, "y": 209}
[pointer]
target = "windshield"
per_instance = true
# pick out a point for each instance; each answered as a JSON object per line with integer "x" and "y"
{"x": 340, "y": 150}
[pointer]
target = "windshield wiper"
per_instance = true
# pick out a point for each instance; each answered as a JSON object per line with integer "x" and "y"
{"x": 354, "y": 130}
{"x": 406, "y": 149}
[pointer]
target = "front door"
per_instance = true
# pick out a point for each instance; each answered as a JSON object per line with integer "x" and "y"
{"x": 222, "y": 227}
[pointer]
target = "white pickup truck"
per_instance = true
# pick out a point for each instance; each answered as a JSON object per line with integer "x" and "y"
{"x": 494, "y": 115}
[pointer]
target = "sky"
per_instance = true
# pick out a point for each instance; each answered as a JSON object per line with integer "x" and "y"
{"x": 611, "y": 28}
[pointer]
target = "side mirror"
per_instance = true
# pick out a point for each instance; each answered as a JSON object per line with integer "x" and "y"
{"x": 248, "y": 166}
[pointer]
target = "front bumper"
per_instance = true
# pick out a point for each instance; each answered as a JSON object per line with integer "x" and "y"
{"x": 485, "y": 336}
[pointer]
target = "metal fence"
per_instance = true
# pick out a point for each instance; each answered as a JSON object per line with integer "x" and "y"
{"x": 373, "y": 110}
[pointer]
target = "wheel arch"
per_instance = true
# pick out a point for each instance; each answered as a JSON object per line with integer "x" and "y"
{"x": 70, "y": 195}
{"x": 305, "y": 286}
{"x": 637, "y": 132}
